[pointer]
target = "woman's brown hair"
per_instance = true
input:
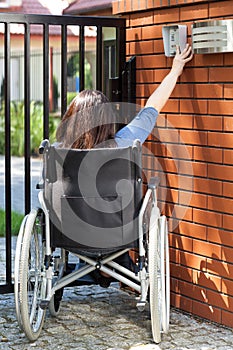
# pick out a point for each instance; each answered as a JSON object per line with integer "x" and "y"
{"x": 87, "y": 122}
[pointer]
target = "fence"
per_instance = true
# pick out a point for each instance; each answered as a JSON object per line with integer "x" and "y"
{"x": 108, "y": 44}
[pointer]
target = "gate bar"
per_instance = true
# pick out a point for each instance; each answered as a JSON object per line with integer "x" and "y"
{"x": 46, "y": 58}
{"x": 81, "y": 58}
{"x": 27, "y": 143}
{"x": 7, "y": 157}
{"x": 104, "y": 21}
{"x": 64, "y": 69}
{"x": 99, "y": 58}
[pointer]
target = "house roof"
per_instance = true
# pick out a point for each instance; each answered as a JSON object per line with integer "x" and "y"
{"x": 44, "y": 7}
{"x": 84, "y": 6}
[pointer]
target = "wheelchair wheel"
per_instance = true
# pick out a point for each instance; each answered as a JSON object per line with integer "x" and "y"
{"x": 159, "y": 275}
{"x": 58, "y": 271}
{"x": 164, "y": 273}
{"x": 16, "y": 270}
{"x": 32, "y": 276}
{"x": 55, "y": 303}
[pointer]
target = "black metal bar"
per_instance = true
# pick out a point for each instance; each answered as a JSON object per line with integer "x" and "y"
{"x": 132, "y": 80}
{"x": 27, "y": 142}
{"x": 46, "y": 57}
{"x": 129, "y": 81}
{"x": 81, "y": 58}
{"x": 7, "y": 153}
{"x": 6, "y": 288}
{"x": 103, "y": 21}
{"x": 64, "y": 69}
{"x": 121, "y": 51}
{"x": 99, "y": 62}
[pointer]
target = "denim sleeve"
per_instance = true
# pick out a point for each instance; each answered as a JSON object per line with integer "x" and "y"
{"x": 139, "y": 128}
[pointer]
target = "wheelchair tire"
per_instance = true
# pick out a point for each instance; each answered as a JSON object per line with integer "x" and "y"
{"x": 16, "y": 270}
{"x": 155, "y": 310}
{"x": 164, "y": 274}
{"x": 32, "y": 276}
{"x": 159, "y": 276}
{"x": 58, "y": 272}
{"x": 55, "y": 303}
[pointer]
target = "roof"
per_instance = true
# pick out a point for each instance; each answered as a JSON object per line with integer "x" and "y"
{"x": 42, "y": 7}
{"x": 84, "y": 6}
{"x": 45, "y": 7}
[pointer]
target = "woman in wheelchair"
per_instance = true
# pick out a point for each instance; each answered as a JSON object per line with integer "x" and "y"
{"x": 92, "y": 205}
{"x": 88, "y": 123}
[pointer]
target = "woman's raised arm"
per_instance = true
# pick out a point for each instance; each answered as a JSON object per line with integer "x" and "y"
{"x": 160, "y": 96}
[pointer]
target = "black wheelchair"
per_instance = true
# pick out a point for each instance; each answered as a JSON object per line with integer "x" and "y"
{"x": 92, "y": 207}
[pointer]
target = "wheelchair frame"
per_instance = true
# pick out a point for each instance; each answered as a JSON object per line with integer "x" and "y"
{"x": 40, "y": 275}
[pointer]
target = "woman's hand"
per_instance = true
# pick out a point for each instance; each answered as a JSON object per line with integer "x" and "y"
{"x": 180, "y": 59}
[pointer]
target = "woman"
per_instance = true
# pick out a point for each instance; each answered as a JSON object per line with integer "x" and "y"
{"x": 88, "y": 122}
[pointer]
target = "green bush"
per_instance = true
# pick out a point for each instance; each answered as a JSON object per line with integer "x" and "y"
{"x": 53, "y": 123}
{"x": 17, "y": 127}
{"x": 16, "y": 220}
{"x": 70, "y": 97}
{"x": 36, "y": 127}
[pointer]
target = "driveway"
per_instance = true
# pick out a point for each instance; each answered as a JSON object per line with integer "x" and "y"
{"x": 17, "y": 182}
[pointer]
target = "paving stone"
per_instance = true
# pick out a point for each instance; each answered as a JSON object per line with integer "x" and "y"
{"x": 93, "y": 318}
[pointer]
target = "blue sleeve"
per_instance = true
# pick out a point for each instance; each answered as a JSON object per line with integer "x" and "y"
{"x": 139, "y": 128}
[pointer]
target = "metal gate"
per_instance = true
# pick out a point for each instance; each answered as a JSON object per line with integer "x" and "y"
{"x": 109, "y": 47}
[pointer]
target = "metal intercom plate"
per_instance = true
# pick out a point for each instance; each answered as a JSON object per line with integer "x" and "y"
{"x": 174, "y": 35}
{"x": 212, "y": 36}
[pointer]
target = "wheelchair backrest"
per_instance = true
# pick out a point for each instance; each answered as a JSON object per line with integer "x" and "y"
{"x": 93, "y": 196}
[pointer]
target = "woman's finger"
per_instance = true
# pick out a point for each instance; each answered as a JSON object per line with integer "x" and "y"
{"x": 186, "y": 52}
{"x": 177, "y": 49}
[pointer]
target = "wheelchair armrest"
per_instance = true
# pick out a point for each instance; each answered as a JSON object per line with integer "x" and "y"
{"x": 153, "y": 183}
{"x": 44, "y": 144}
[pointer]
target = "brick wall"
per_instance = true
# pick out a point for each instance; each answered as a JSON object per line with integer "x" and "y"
{"x": 191, "y": 150}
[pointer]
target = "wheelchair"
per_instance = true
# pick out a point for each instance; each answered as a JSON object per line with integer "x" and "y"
{"x": 92, "y": 207}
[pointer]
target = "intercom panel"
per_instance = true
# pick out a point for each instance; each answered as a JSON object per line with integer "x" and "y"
{"x": 172, "y": 36}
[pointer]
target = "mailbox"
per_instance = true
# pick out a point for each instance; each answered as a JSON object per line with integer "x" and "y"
{"x": 212, "y": 36}
{"x": 174, "y": 35}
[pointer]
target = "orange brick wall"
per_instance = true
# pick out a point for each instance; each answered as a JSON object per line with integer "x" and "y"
{"x": 191, "y": 149}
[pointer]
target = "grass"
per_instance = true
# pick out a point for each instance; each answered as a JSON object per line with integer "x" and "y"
{"x": 16, "y": 220}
